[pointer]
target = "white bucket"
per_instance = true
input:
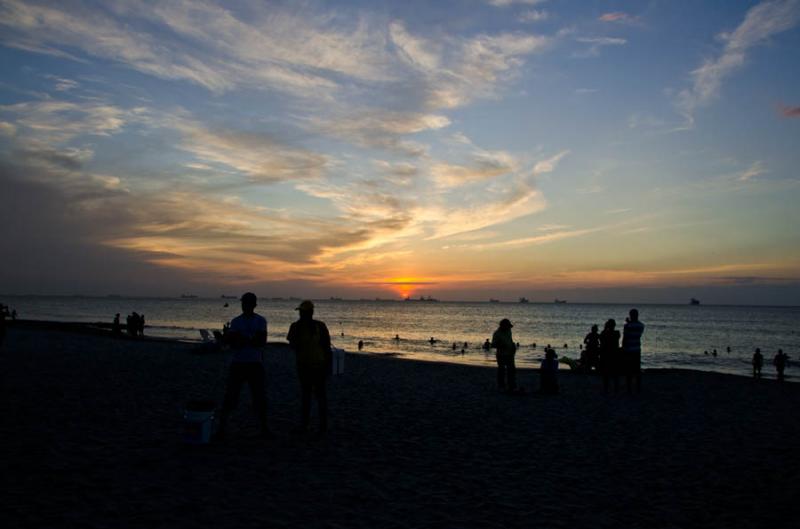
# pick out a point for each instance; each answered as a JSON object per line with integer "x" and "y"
{"x": 198, "y": 422}
{"x": 338, "y": 361}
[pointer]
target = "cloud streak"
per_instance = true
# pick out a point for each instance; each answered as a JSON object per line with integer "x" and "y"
{"x": 761, "y": 22}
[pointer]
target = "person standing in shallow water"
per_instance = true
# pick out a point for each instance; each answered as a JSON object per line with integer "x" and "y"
{"x": 780, "y": 362}
{"x": 758, "y": 363}
{"x": 311, "y": 343}
{"x": 506, "y": 350}
{"x": 632, "y": 350}
{"x": 609, "y": 355}
{"x": 247, "y": 337}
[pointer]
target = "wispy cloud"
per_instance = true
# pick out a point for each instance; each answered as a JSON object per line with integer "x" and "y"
{"x": 533, "y": 15}
{"x": 378, "y": 128}
{"x": 618, "y": 17}
{"x": 790, "y": 112}
{"x": 485, "y": 165}
{"x": 760, "y": 23}
{"x": 537, "y": 240}
{"x": 595, "y": 44}
{"x": 258, "y": 156}
{"x": 273, "y": 49}
{"x": 756, "y": 169}
{"x": 506, "y": 3}
{"x": 470, "y": 67}
{"x": 548, "y": 165}
{"x": 58, "y": 120}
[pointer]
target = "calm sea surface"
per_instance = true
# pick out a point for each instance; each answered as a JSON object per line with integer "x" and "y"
{"x": 675, "y": 336}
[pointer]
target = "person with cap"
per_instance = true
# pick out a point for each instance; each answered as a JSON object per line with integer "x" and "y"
{"x": 506, "y": 349}
{"x": 311, "y": 343}
{"x": 247, "y": 336}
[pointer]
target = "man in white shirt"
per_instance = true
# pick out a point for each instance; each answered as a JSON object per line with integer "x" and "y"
{"x": 247, "y": 337}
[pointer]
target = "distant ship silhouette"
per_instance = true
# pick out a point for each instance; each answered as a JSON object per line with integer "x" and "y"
{"x": 559, "y": 301}
{"x": 694, "y": 301}
{"x": 494, "y": 300}
{"x": 523, "y": 300}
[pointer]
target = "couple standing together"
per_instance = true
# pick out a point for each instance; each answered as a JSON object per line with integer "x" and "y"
{"x": 247, "y": 337}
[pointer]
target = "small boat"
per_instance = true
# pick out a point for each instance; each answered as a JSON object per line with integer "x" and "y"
{"x": 188, "y": 296}
{"x": 559, "y": 301}
{"x": 523, "y": 300}
{"x": 694, "y": 301}
{"x": 494, "y": 300}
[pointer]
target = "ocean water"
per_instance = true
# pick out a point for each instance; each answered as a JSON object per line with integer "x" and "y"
{"x": 676, "y": 336}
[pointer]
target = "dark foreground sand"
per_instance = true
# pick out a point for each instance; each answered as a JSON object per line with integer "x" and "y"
{"x": 91, "y": 437}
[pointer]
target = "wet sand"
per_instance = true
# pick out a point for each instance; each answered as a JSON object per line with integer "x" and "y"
{"x": 91, "y": 437}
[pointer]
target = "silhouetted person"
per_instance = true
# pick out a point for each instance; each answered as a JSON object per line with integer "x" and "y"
{"x": 780, "y": 361}
{"x": 13, "y": 314}
{"x": 247, "y": 337}
{"x": 311, "y": 343}
{"x": 609, "y": 355}
{"x": 758, "y": 363}
{"x": 548, "y": 373}
{"x": 116, "y": 329}
{"x": 396, "y": 337}
{"x": 454, "y": 346}
{"x": 141, "y": 325}
{"x": 432, "y": 340}
{"x": 487, "y": 345}
{"x": 714, "y": 353}
{"x": 360, "y": 344}
{"x": 129, "y": 324}
{"x": 466, "y": 345}
{"x": 728, "y": 349}
{"x": 632, "y": 350}
{"x": 133, "y": 324}
{"x": 592, "y": 342}
{"x": 506, "y": 349}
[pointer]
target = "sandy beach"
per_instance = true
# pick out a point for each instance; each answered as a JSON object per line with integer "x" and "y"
{"x": 91, "y": 437}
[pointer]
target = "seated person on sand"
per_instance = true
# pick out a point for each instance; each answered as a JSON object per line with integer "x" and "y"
{"x": 548, "y": 373}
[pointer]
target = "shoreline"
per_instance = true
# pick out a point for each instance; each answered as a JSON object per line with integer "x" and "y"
{"x": 104, "y": 329}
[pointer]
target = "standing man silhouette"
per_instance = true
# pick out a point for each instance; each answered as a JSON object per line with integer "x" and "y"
{"x": 311, "y": 343}
{"x": 247, "y": 337}
{"x": 780, "y": 361}
{"x": 758, "y": 363}
{"x": 632, "y": 349}
{"x": 506, "y": 349}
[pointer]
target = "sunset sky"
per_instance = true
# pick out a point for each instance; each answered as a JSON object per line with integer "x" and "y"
{"x": 595, "y": 151}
